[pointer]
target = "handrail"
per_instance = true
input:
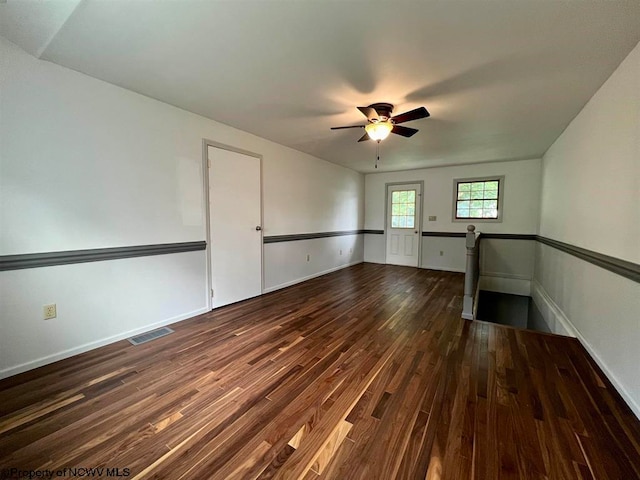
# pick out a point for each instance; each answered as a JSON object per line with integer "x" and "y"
{"x": 471, "y": 274}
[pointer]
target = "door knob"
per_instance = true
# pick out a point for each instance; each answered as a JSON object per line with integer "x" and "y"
{"x": 258, "y": 228}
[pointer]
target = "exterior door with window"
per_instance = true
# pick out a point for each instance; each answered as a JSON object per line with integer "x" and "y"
{"x": 403, "y": 224}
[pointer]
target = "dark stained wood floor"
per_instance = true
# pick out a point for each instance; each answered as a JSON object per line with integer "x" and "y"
{"x": 367, "y": 373}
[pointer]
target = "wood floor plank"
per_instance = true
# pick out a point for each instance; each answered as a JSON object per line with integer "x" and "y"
{"x": 368, "y": 372}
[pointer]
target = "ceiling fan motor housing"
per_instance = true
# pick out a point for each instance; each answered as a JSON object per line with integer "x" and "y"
{"x": 384, "y": 111}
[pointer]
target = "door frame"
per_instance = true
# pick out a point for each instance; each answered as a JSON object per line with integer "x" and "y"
{"x": 419, "y": 220}
{"x": 206, "y": 143}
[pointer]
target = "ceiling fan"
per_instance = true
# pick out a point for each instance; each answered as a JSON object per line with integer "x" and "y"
{"x": 381, "y": 123}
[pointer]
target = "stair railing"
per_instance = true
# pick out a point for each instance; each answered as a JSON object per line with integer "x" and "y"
{"x": 471, "y": 274}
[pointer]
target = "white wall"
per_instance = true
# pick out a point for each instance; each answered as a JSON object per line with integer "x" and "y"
{"x": 85, "y": 164}
{"x": 590, "y": 198}
{"x": 508, "y": 264}
{"x": 591, "y": 174}
{"x": 287, "y": 260}
{"x": 521, "y": 195}
{"x": 97, "y": 303}
{"x": 305, "y": 195}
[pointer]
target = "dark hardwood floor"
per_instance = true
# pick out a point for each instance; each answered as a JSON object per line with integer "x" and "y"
{"x": 366, "y": 373}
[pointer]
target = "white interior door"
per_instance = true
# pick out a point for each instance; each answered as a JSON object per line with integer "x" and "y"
{"x": 403, "y": 224}
{"x": 235, "y": 216}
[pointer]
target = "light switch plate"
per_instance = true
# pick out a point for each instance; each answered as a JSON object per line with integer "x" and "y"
{"x": 432, "y": 218}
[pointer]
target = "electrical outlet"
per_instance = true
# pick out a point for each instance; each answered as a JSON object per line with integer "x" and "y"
{"x": 308, "y": 257}
{"x": 49, "y": 311}
{"x": 432, "y": 218}
{"x": 441, "y": 253}
{"x": 340, "y": 251}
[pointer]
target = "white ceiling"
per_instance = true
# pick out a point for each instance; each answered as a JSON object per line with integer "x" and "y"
{"x": 501, "y": 78}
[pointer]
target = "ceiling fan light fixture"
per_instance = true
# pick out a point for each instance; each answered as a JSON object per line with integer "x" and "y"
{"x": 378, "y": 130}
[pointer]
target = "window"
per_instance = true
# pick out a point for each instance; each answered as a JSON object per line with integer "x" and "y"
{"x": 403, "y": 209}
{"x": 478, "y": 199}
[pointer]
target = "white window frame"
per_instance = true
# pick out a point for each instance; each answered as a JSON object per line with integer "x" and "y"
{"x": 501, "y": 182}
{"x": 415, "y": 216}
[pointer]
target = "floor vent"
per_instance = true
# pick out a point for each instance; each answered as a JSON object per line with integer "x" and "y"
{"x": 152, "y": 335}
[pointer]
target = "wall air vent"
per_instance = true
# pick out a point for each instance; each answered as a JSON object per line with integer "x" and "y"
{"x": 152, "y": 335}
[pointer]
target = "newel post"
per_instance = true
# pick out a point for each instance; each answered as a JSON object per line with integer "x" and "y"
{"x": 471, "y": 244}
{"x": 470, "y": 274}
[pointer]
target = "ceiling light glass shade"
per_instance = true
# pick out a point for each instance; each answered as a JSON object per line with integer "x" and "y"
{"x": 378, "y": 131}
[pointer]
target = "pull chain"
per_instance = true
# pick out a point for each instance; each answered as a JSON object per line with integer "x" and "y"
{"x": 377, "y": 153}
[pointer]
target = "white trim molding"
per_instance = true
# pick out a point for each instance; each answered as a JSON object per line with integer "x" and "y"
{"x": 552, "y": 314}
{"x": 505, "y": 283}
{"x": 443, "y": 269}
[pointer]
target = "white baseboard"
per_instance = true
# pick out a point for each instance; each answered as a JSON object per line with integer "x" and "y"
{"x": 442, "y": 269}
{"x": 553, "y": 315}
{"x": 487, "y": 273}
{"x": 548, "y": 308}
{"x": 8, "y": 372}
{"x": 511, "y": 284}
{"x": 309, "y": 277}
{"x": 368, "y": 260}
